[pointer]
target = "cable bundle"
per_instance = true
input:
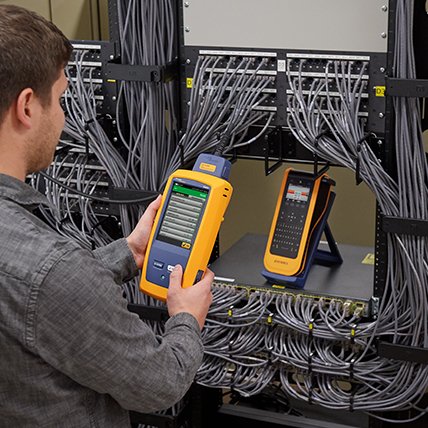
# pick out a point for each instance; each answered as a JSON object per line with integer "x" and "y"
{"x": 222, "y": 104}
{"x": 332, "y": 129}
{"x": 147, "y": 37}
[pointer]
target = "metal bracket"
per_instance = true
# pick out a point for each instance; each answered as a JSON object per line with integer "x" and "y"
{"x": 142, "y": 73}
{"x": 404, "y": 226}
{"x": 409, "y": 88}
{"x": 119, "y": 193}
{"x": 267, "y": 146}
{"x": 402, "y": 353}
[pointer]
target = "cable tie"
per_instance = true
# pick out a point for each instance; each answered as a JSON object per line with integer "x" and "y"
{"x": 181, "y": 148}
{"x": 352, "y": 399}
{"x": 351, "y": 369}
{"x": 310, "y": 359}
{"x": 87, "y": 123}
{"x": 233, "y": 378}
{"x": 358, "y": 179}
{"x": 270, "y": 362}
{"x": 353, "y": 332}
{"x": 230, "y": 314}
{"x": 311, "y": 328}
{"x": 315, "y": 156}
{"x": 311, "y": 392}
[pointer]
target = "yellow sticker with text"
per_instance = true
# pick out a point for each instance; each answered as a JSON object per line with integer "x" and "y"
{"x": 189, "y": 82}
{"x": 380, "y": 91}
{"x": 369, "y": 259}
{"x": 207, "y": 167}
{"x": 185, "y": 245}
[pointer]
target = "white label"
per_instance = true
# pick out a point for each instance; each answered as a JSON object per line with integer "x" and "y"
{"x": 281, "y": 65}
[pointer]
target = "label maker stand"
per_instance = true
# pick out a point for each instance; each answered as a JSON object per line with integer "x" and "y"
{"x": 315, "y": 255}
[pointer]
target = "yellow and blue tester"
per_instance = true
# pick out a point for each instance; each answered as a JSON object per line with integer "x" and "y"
{"x": 187, "y": 223}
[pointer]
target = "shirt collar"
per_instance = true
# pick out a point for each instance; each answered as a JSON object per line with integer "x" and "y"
{"x": 20, "y": 192}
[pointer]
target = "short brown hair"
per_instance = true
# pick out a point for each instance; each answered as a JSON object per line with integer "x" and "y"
{"x": 32, "y": 53}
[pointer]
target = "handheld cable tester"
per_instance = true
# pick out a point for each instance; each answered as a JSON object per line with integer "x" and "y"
{"x": 302, "y": 202}
{"x": 186, "y": 225}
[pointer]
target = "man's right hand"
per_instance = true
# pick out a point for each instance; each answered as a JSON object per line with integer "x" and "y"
{"x": 194, "y": 300}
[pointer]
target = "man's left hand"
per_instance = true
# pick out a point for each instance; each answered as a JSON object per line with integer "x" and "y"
{"x": 138, "y": 239}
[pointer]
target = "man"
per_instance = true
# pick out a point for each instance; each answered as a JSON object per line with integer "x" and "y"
{"x": 71, "y": 354}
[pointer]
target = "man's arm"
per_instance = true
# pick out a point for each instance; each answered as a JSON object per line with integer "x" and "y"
{"x": 125, "y": 256}
{"x": 83, "y": 329}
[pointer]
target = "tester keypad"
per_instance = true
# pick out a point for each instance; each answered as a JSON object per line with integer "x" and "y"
{"x": 291, "y": 218}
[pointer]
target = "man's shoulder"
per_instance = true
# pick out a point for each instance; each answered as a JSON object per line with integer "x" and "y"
{"x": 27, "y": 243}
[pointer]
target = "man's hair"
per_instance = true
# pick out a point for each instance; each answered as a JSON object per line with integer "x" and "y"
{"x": 33, "y": 52}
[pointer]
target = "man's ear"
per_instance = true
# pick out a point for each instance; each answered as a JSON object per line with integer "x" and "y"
{"x": 26, "y": 104}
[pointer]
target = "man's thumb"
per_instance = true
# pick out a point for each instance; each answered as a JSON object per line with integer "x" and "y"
{"x": 176, "y": 277}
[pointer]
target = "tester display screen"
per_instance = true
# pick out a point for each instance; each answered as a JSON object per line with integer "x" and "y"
{"x": 297, "y": 193}
{"x": 182, "y": 215}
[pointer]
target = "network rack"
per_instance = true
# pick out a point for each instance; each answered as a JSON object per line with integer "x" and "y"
{"x": 304, "y": 61}
{"x": 298, "y": 73}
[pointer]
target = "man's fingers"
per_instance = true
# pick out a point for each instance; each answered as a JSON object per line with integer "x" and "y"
{"x": 208, "y": 276}
{"x": 175, "y": 277}
{"x": 150, "y": 213}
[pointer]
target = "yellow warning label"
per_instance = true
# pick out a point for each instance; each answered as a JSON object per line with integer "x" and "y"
{"x": 189, "y": 82}
{"x": 380, "y": 91}
{"x": 369, "y": 259}
{"x": 207, "y": 167}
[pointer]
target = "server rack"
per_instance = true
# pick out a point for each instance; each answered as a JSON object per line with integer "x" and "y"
{"x": 279, "y": 146}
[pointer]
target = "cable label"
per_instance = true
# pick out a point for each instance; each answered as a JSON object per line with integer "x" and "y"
{"x": 189, "y": 82}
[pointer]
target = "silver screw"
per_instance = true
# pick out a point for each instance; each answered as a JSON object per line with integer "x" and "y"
{"x": 382, "y": 69}
{"x": 115, "y": 139}
{"x": 383, "y": 35}
{"x": 114, "y": 122}
{"x": 188, "y": 103}
{"x": 187, "y": 29}
{"x": 379, "y": 142}
{"x": 113, "y": 98}
{"x": 186, "y": 4}
{"x": 188, "y": 61}
{"x": 384, "y": 7}
{"x": 111, "y": 56}
{"x": 381, "y": 115}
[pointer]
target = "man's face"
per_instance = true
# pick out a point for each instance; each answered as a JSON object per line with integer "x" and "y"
{"x": 48, "y": 131}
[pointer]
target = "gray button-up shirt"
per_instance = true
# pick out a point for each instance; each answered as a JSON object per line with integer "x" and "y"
{"x": 71, "y": 355}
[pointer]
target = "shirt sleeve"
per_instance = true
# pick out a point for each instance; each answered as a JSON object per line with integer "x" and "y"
{"x": 83, "y": 329}
{"x": 117, "y": 257}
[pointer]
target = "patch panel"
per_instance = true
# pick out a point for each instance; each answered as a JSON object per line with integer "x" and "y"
{"x": 352, "y": 306}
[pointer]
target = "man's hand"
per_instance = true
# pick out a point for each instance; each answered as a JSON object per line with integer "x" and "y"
{"x": 194, "y": 300}
{"x": 138, "y": 239}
